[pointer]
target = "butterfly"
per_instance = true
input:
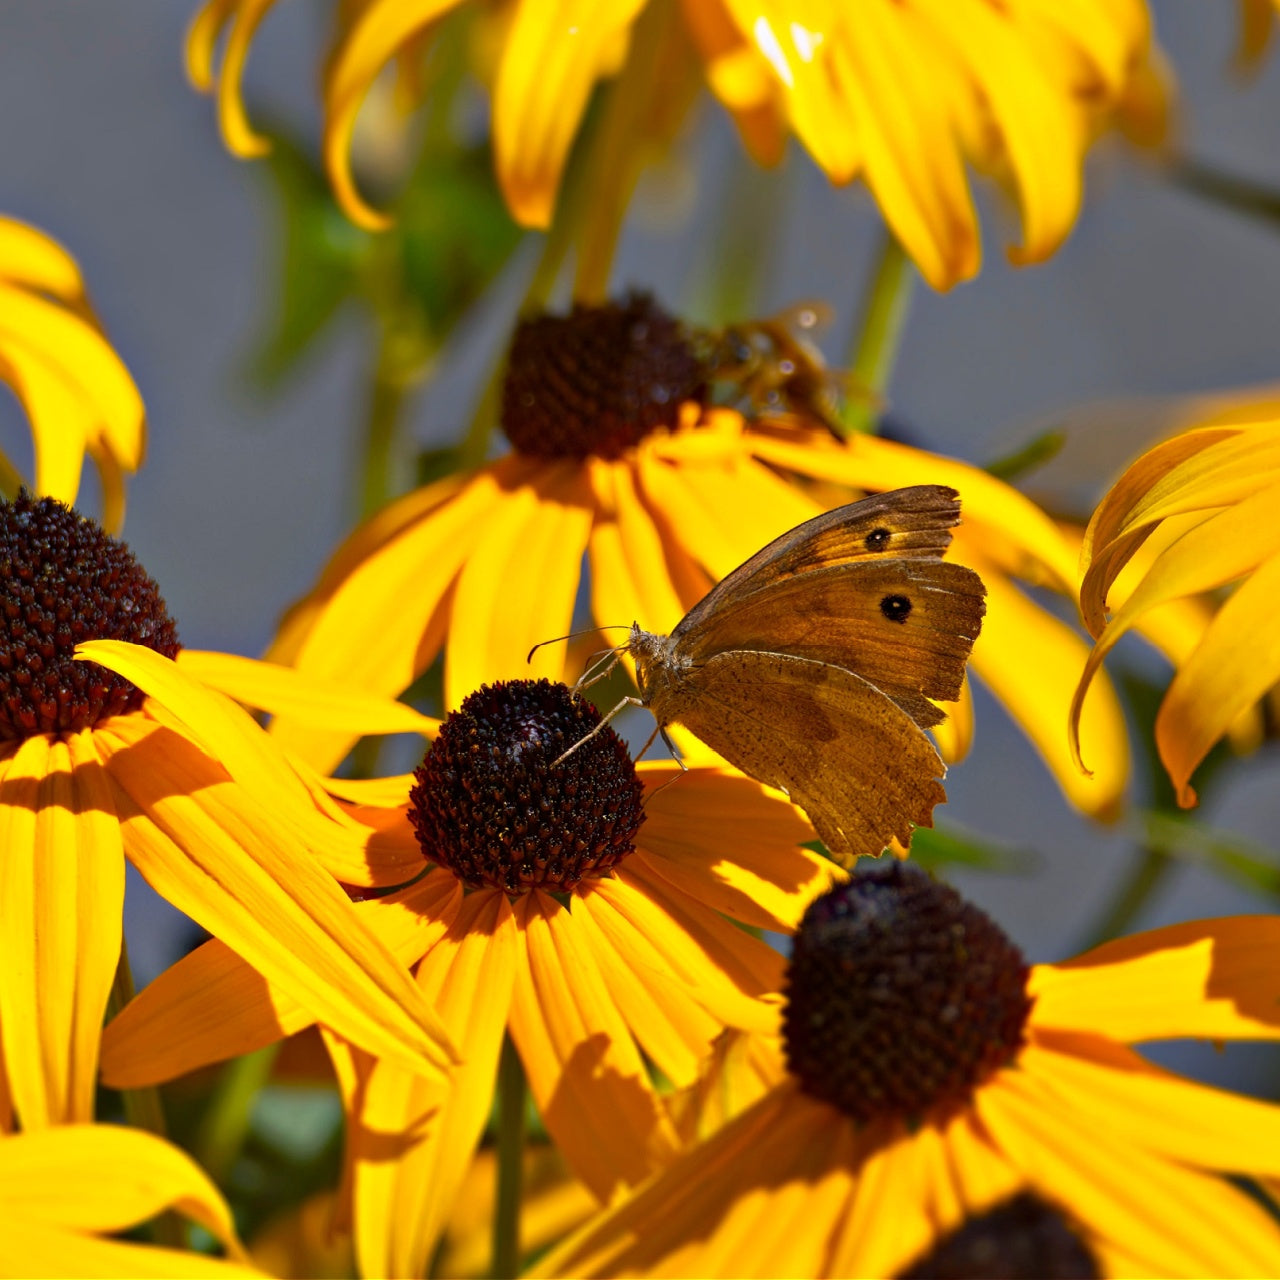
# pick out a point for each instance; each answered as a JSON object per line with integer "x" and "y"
{"x": 812, "y": 667}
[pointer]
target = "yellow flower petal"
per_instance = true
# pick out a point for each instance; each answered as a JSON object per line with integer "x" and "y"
{"x": 1209, "y": 978}
{"x": 1180, "y": 1222}
{"x": 379, "y": 30}
{"x": 586, "y": 1076}
{"x": 212, "y": 1004}
{"x": 1234, "y": 665}
{"x": 31, "y": 1249}
{"x": 954, "y": 735}
{"x": 501, "y": 609}
{"x": 228, "y": 862}
{"x": 30, "y": 258}
{"x": 1178, "y": 1119}
{"x": 732, "y": 844}
{"x": 1032, "y": 663}
{"x": 61, "y": 899}
{"x": 403, "y": 1205}
{"x": 553, "y": 55}
{"x": 267, "y": 686}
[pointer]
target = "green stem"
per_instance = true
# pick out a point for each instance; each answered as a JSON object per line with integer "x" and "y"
{"x": 143, "y": 1108}
{"x": 1146, "y": 876}
{"x": 878, "y": 335}
{"x": 226, "y": 1122}
{"x": 511, "y": 1120}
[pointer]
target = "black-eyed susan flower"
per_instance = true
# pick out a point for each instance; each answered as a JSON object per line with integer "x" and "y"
{"x": 549, "y": 913}
{"x": 77, "y": 393}
{"x": 1192, "y": 515}
{"x": 901, "y": 95}
{"x": 617, "y": 458}
{"x": 186, "y": 786}
{"x": 931, "y": 1077}
{"x": 65, "y": 1194}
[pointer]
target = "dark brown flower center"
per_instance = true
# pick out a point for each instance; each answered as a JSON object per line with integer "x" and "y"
{"x": 597, "y": 381}
{"x": 490, "y": 802}
{"x": 63, "y": 580}
{"x": 901, "y": 996}
{"x": 1022, "y": 1238}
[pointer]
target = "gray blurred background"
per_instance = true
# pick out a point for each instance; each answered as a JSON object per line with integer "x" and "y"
{"x": 1157, "y": 294}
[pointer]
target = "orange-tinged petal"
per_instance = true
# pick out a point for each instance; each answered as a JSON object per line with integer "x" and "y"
{"x": 652, "y": 994}
{"x": 1032, "y": 663}
{"x": 1180, "y": 1222}
{"x": 267, "y": 686}
{"x": 1233, "y": 666}
{"x": 370, "y": 632}
{"x": 884, "y": 63}
{"x": 31, "y": 258}
{"x": 586, "y": 1076}
{"x": 553, "y": 55}
{"x": 1210, "y": 978}
{"x": 402, "y": 1204}
{"x": 32, "y": 1249}
{"x": 380, "y": 30}
{"x": 239, "y": 135}
{"x": 56, "y": 1178}
{"x": 501, "y": 608}
{"x": 663, "y": 1229}
{"x": 954, "y": 735}
{"x": 1178, "y": 1119}
{"x": 212, "y": 1005}
{"x": 733, "y": 844}
{"x": 228, "y": 862}
{"x": 61, "y": 901}
{"x": 741, "y": 1068}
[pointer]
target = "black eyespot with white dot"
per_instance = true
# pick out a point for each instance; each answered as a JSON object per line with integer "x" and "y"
{"x": 896, "y": 608}
{"x": 877, "y": 539}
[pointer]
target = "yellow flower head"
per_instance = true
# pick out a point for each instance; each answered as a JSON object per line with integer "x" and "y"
{"x": 1193, "y": 515}
{"x": 66, "y": 1193}
{"x": 901, "y": 95}
{"x": 618, "y": 458}
{"x": 75, "y": 389}
{"x": 182, "y": 783}
{"x": 585, "y": 908}
{"x": 931, "y": 1077}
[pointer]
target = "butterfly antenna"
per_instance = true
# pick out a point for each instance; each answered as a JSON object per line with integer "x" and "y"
{"x": 573, "y": 635}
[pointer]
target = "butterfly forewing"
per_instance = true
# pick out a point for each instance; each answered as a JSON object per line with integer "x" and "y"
{"x": 914, "y": 522}
{"x": 791, "y": 722}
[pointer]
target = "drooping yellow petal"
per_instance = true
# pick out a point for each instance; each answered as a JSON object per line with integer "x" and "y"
{"x": 267, "y": 686}
{"x": 586, "y": 1076}
{"x": 954, "y": 736}
{"x": 232, "y": 866}
{"x": 732, "y": 844}
{"x": 555, "y": 51}
{"x": 502, "y": 608}
{"x": 61, "y": 902}
{"x": 1135, "y": 1102}
{"x": 403, "y": 1204}
{"x": 1210, "y": 978}
{"x": 1032, "y": 663}
{"x": 30, "y": 258}
{"x": 1180, "y": 1222}
{"x": 377, "y": 33}
{"x": 212, "y": 1005}
{"x": 1234, "y": 665}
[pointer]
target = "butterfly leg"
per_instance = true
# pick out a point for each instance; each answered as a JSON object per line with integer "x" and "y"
{"x": 586, "y": 679}
{"x": 671, "y": 746}
{"x": 626, "y": 702}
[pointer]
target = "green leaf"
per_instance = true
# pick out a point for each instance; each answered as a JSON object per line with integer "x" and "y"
{"x": 1035, "y": 453}
{"x": 1237, "y": 859}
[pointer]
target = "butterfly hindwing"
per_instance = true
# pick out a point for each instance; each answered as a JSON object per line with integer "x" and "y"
{"x": 843, "y": 751}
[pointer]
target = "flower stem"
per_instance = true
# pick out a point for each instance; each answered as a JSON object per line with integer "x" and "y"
{"x": 226, "y": 1123}
{"x": 511, "y": 1120}
{"x": 1146, "y": 876}
{"x": 878, "y": 335}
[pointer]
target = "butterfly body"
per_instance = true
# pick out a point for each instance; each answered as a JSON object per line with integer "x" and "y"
{"x": 814, "y": 665}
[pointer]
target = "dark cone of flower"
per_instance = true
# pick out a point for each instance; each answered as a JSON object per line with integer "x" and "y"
{"x": 901, "y": 996}
{"x": 63, "y": 580}
{"x": 597, "y": 381}
{"x": 490, "y": 802}
{"x": 1024, "y": 1238}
